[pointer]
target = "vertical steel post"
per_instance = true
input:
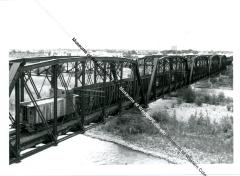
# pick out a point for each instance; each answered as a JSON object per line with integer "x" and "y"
{"x": 105, "y": 92}
{"x": 196, "y": 70}
{"x": 110, "y": 76}
{"x": 113, "y": 71}
{"x": 140, "y": 84}
{"x": 76, "y": 74}
{"x": 152, "y": 82}
{"x": 22, "y": 87}
{"x": 163, "y": 73}
{"x": 17, "y": 119}
{"x": 191, "y": 71}
{"x": 105, "y": 75}
{"x": 134, "y": 80}
{"x": 120, "y": 94}
{"x": 83, "y": 72}
{"x": 54, "y": 81}
{"x": 170, "y": 73}
{"x": 83, "y": 100}
{"x": 155, "y": 83}
{"x": 187, "y": 77}
{"x": 144, "y": 66}
{"x": 95, "y": 73}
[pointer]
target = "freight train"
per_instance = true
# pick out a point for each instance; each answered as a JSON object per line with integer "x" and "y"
{"x": 30, "y": 117}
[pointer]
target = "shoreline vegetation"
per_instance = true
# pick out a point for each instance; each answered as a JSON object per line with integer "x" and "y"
{"x": 205, "y": 132}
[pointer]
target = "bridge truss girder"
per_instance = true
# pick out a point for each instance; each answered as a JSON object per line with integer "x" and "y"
{"x": 97, "y": 84}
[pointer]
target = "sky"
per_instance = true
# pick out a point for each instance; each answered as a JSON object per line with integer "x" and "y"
{"x": 122, "y": 24}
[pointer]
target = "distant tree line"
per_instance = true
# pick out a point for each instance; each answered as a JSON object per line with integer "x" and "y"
{"x": 189, "y": 51}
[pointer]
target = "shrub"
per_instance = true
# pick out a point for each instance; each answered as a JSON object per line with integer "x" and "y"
{"x": 226, "y": 124}
{"x": 173, "y": 105}
{"x": 201, "y": 125}
{"x": 206, "y": 98}
{"x": 130, "y": 125}
{"x": 161, "y": 116}
{"x": 215, "y": 127}
{"x": 179, "y": 101}
{"x": 190, "y": 96}
{"x": 213, "y": 100}
{"x": 221, "y": 97}
{"x": 213, "y": 80}
{"x": 192, "y": 122}
{"x": 200, "y": 120}
{"x": 207, "y": 121}
{"x": 187, "y": 94}
{"x": 199, "y": 100}
{"x": 230, "y": 107}
{"x": 229, "y": 100}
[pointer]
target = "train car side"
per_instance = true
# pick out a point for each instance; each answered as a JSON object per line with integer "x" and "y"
{"x": 30, "y": 118}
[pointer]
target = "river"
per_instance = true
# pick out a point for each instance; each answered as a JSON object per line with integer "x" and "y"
{"x": 102, "y": 152}
{"x": 84, "y": 150}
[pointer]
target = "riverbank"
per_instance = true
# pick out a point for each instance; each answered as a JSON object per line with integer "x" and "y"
{"x": 135, "y": 143}
{"x": 208, "y": 145}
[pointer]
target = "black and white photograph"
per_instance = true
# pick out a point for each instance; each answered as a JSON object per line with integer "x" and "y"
{"x": 120, "y": 87}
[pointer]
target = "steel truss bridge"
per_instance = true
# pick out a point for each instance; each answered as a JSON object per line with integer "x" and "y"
{"x": 95, "y": 84}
